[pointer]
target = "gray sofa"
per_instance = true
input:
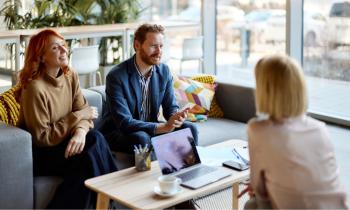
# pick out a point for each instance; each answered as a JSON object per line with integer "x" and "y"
{"x": 237, "y": 103}
{"x": 19, "y": 189}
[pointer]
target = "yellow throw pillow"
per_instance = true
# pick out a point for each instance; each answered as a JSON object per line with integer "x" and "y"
{"x": 9, "y": 107}
{"x": 215, "y": 109}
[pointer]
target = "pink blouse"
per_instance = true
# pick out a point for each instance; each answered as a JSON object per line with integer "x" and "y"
{"x": 294, "y": 163}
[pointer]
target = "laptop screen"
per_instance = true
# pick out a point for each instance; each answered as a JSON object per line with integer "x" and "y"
{"x": 175, "y": 150}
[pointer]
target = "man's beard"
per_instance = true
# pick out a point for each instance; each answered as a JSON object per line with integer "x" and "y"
{"x": 148, "y": 58}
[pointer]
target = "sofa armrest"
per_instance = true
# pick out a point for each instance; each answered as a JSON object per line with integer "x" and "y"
{"x": 16, "y": 168}
{"x": 94, "y": 99}
{"x": 101, "y": 90}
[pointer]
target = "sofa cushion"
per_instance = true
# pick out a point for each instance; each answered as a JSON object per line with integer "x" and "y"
{"x": 236, "y": 101}
{"x": 216, "y": 130}
{"x": 44, "y": 189}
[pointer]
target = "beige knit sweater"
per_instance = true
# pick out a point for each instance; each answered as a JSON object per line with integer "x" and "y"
{"x": 48, "y": 108}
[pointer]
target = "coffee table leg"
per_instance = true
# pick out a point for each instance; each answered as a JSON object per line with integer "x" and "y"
{"x": 102, "y": 201}
{"x": 235, "y": 192}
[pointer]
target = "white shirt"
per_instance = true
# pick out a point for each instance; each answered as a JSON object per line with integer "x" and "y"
{"x": 298, "y": 161}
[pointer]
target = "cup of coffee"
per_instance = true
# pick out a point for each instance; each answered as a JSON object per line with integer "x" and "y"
{"x": 169, "y": 184}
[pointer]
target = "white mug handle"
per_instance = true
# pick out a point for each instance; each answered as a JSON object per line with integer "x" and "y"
{"x": 178, "y": 180}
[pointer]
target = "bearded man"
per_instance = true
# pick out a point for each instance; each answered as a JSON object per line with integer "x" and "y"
{"x": 135, "y": 91}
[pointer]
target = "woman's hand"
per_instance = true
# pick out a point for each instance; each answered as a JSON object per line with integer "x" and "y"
{"x": 248, "y": 189}
{"x": 76, "y": 143}
{"x": 88, "y": 113}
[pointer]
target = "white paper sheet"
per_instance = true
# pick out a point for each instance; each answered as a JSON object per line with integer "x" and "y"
{"x": 216, "y": 156}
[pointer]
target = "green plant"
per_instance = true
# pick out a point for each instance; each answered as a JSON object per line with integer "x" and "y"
{"x": 56, "y": 13}
{"x": 115, "y": 11}
{"x": 43, "y": 14}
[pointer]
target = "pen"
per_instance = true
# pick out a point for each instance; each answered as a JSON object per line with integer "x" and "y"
{"x": 146, "y": 147}
{"x": 140, "y": 148}
{"x": 136, "y": 150}
{"x": 239, "y": 156}
{"x": 234, "y": 152}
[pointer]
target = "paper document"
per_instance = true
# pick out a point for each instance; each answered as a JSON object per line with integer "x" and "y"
{"x": 216, "y": 156}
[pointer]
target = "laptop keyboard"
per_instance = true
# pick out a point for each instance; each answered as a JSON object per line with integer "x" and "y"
{"x": 194, "y": 173}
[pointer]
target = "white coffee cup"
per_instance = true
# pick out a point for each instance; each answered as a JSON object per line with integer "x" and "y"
{"x": 169, "y": 184}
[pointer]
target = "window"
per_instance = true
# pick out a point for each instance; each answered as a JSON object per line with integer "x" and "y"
{"x": 246, "y": 31}
{"x": 326, "y": 58}
{"x": 179, "y": 12}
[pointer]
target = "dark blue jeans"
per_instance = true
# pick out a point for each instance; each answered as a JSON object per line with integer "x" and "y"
{"x": 125, "y": 142}
{"x": 96, "y": 159}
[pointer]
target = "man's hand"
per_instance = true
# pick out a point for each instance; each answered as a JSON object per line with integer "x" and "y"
{"x": 88, "y": 113}
{"x": 76, "y": 143}
{"x": 175, "y": 121}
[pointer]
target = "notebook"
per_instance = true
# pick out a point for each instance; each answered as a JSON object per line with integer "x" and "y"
{"x": 177, "y": 155}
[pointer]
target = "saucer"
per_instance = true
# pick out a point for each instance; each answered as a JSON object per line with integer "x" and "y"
{"x": 160, "y": 193}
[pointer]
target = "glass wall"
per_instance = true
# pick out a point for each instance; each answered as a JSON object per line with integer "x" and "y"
{"x": 326, "y": 58}
{"x": 326, "y": 39}
{"x": 171, "y": 9}
{"x": 246, "y": 31}
{"x": 180, "y": 13}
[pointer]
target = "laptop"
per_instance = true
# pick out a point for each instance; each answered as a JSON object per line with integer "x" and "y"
{"x": 177, "y": 155}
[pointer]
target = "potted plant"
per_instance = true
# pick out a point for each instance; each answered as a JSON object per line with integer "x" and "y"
{"x": 114, "y": 11}
{"x": 57, "y": 13}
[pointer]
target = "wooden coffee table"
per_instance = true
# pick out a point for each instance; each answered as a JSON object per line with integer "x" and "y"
{"x": 135, "y": 189}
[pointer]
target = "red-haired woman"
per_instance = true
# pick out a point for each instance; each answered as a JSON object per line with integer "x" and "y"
{"x": 59, "y": 118}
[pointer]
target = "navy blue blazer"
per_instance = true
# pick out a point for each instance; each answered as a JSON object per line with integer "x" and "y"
{"x": 123, "y": 98}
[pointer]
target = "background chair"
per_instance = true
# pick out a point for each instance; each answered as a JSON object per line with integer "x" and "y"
{"x": 85, "y": 61}
{"x": 192, "y": 49}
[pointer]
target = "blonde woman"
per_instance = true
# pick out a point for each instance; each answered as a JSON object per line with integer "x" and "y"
{"x": 293, "y": 163}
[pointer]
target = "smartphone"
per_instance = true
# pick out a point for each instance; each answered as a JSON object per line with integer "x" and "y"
{"x": 234, "y": 165}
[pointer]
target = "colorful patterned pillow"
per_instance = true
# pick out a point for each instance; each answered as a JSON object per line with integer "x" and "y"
{"x": 215, "y": 109}
{"x": 195, "y": 95}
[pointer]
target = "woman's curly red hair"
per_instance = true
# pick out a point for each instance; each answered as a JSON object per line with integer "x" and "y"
{"x": 33, "y": 67}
